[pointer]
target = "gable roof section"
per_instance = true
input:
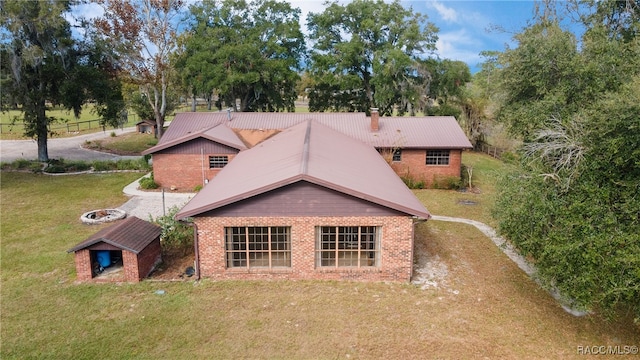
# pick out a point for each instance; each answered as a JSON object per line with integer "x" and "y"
{"x": 219, "y": 133}
{"x": 314, "y": 153}
{"x": 131, "y": 234}
{"x": 435, "y": 132}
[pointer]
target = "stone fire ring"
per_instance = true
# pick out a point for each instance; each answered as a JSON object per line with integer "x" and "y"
{"x": 102, "y": 216}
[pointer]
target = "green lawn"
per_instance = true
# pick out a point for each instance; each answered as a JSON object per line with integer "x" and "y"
{"x": 486, "y": 307}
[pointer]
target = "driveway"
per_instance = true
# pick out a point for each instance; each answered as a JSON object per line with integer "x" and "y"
{"x": 69, "y": 148}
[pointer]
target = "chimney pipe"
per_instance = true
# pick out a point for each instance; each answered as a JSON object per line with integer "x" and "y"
{"x": 375, "y": 120}
{"x": 229, "y": 114}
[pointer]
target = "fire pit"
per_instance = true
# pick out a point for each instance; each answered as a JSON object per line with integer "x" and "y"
{"x": 102, "y": 216}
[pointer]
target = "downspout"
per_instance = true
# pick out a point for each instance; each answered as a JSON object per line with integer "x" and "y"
{"x": 202, "y": 165}
{"x": 196, "y": 248}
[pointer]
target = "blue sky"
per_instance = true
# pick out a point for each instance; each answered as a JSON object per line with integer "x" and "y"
{"x": 465, "y": 26}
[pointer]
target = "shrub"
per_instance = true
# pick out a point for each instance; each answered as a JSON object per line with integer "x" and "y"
{"x": 62, "y": 166}
{"x": 447, "y": 182}
{"x": 197, "y": 188}
{"x": 103, "y": 165}
{"x": 175, "y": 235}
{"x": 148, "y": 183}
{"x": 113, "y": 134}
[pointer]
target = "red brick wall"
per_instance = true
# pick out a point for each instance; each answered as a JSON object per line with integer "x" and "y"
{"x": 130, "y": 263}
{"x": 396, "y": 242}
{"x": 182, "y": 171}
{"x": 149, "y": 258}
{"x": 413, "y": 165}
{"x": 83, "y": 265}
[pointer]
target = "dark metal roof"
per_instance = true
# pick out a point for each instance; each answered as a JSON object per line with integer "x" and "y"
{"x": 131, "y": 234}
{"x": 309, "y": 152}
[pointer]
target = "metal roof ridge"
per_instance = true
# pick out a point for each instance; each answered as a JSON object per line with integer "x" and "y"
{"x": 304, "y": 164}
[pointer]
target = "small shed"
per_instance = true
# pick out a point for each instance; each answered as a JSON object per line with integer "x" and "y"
{"x": 146, "y": 127}
{"x": 126, "y": 251}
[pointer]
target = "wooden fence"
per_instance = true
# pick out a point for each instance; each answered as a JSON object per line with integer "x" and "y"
{"x": 69, "y": 127}
{"x": 494, "y": 151}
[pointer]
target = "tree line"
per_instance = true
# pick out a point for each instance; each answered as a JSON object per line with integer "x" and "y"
{"x": 145, "y": 55}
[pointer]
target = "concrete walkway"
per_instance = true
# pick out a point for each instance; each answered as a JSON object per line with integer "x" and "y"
{"x": 145, "y": 204}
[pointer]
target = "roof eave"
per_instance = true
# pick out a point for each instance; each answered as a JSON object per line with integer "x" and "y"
{"x": 181, "y": 215}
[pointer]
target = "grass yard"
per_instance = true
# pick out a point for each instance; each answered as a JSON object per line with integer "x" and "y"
{"x": 483, "y": 306}
{"x": 125, "y": 144}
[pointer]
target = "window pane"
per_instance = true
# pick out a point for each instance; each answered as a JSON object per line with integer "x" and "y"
{"x": 347, "y": 246}
{"x": 437, "y": 157}
{"x": 259, "y": 246}
{"x": 218, "y": 161}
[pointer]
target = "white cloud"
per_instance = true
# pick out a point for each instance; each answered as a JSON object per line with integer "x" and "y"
{"x": 459, "y": 45}
{"x": 446, "y": 13}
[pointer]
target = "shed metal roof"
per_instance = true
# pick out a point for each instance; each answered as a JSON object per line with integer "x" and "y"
{"x": 309, "y": 152}
{"x": 131, "y": 234}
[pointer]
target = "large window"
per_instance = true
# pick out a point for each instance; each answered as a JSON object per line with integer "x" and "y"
{"x": 263, "y": 246}
{"x": 216, "y": 162}
{"x": 347, "y": 246}
{"x": 437, "y": 157}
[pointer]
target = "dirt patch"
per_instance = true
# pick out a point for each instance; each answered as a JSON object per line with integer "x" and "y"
{"x": 173, "y": 267}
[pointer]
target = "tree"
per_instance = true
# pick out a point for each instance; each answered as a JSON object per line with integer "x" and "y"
{"x": 143, "y": 35}
{"x": 449, "y": 79}
{"x": 365, "y": 55}
{"x": 249, "y": 51}
{"x": 49, "y": 67}
{"x": 573, "y": 204}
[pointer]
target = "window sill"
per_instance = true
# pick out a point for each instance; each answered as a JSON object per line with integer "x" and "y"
{"x": 259, "y": 270}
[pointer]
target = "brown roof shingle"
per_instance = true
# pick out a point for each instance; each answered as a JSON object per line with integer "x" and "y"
{"x": 309, "y": 152}
{"x": 131, "y": 234}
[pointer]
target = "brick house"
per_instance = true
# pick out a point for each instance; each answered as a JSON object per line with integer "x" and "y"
{"x": 131, "y": 249}
{"x": 196, "y": 145}
{"x": 307, "y": 203}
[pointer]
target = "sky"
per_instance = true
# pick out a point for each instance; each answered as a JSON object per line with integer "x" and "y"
{"x": 466, "y": 27}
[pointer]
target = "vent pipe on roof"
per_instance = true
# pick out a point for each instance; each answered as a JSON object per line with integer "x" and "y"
{"x": 229, "y": 114}
{"x": 375, "y": 119}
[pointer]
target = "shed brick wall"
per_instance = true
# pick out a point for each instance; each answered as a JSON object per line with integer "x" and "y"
{"x": 83, "y": 265}
{"x": 149, "y": 258}
{"x": 130, "y": 261}
{"x": 396, "y": 244}
{"x": 413, "y": 165}
{"x": 183, "y": 171}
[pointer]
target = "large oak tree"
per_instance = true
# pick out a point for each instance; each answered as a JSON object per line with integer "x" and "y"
{"x": 43, "y": 65}
{"x": 365, "y": 55}
{"x": 250, "y": 51}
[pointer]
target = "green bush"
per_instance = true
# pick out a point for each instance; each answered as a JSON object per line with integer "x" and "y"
{"x": 447, "y": 182}
{"x": 61, "y": 166}
{"x": 175, "y": 235}
{"x": 148, "y": 183}
{"x": 197, "y": 188}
